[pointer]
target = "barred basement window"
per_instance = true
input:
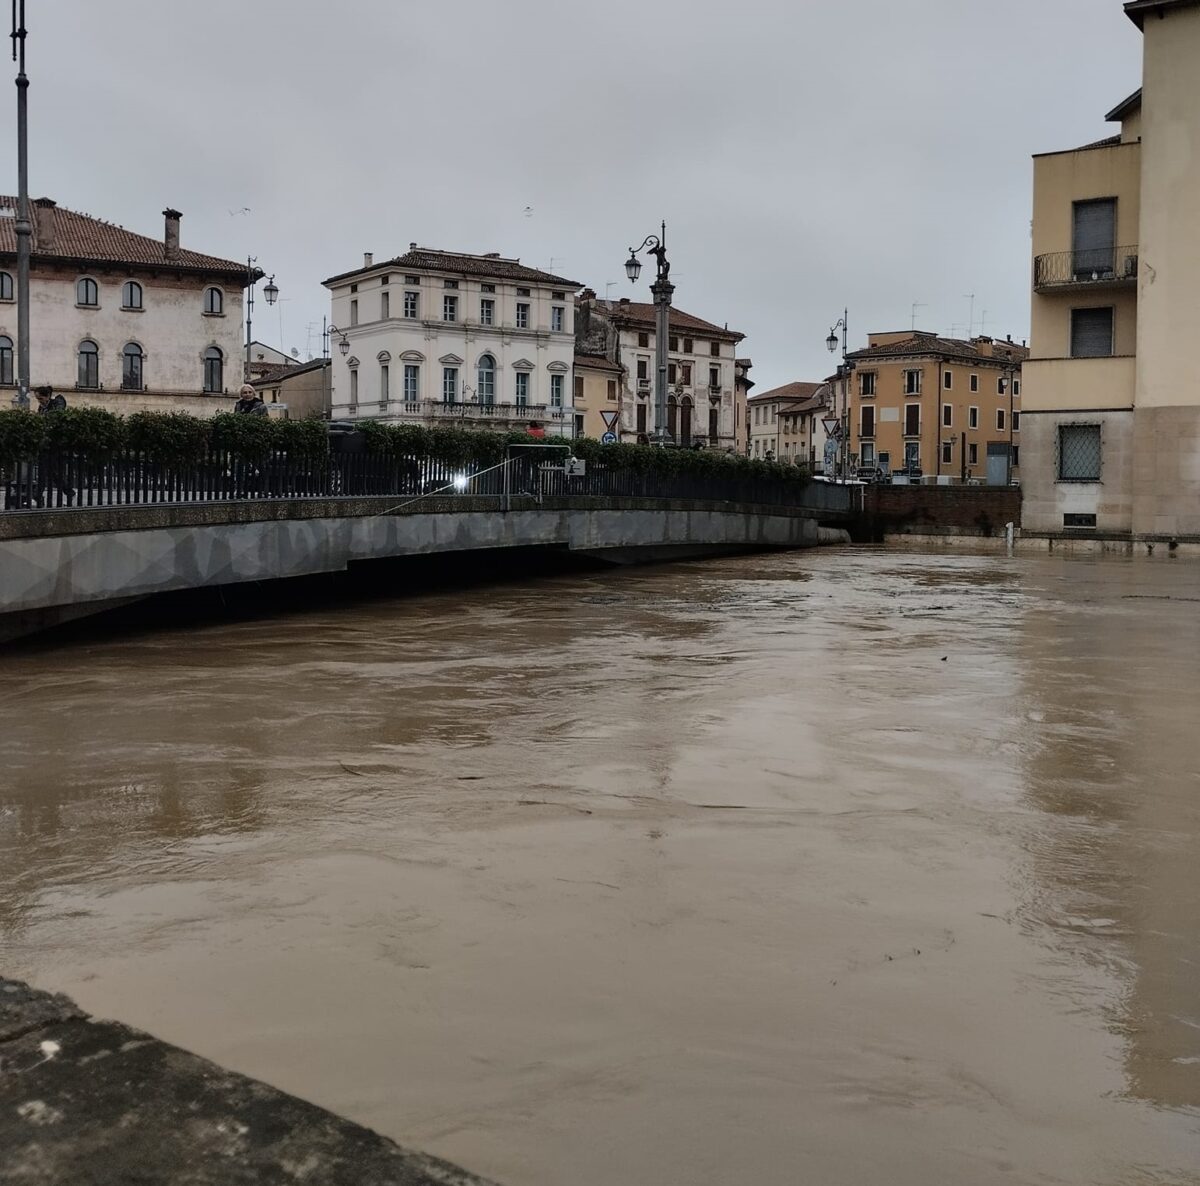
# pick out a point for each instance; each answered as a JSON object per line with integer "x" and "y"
{"x": 1079, "y": 452}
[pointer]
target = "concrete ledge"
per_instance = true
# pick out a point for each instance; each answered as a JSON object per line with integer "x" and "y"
{"x": 95, "y": 1103}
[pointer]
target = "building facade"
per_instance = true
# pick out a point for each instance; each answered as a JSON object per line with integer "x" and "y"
{"x": 120, "y": 320}
{"x": 802, "y": 430}
{"x": 776, "y": 425}
{"x": 598, "y": 382}
{"x": 1112, "y": 400}
{"x": 446, "y": 338}
{"x": 701, "y": 370}
{"x": 300, "y": 391}
{"x": 934, "y": 407}
{"x": 742, "y": 383}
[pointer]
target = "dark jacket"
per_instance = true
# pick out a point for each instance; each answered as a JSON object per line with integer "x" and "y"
{"x": 251, "y": 407}
{"x": 55, "y": 403}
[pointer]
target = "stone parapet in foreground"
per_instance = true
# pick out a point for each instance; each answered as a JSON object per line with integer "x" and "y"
{"x": 96, "y": 1103}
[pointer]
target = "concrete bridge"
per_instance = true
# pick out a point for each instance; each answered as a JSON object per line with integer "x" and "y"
{"x": 62, "y": 564}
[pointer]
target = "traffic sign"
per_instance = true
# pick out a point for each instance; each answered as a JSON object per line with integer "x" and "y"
{"x": 609, "y": 438}
{"x": 610, "y": 418}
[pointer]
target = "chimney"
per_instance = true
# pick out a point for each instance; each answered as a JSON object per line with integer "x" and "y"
{"x": 368, "y": 259}
{"x": 171, "y": 234}
{"x": 624, "y": 301}
{"x": 43, "y": 216}
{"x": 412, "y": 247}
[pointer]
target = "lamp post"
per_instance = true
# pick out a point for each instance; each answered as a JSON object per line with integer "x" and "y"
{"x": 253, "y": 276}
{"x": 662, "y": 288}
{"x": 1009, "y": 375}
{"x": 24, "y": 225}
{"x": 847, "y": 366}
{"x": 327, "y": 331}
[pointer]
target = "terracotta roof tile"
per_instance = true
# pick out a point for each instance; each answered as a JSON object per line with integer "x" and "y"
{"x": 797, "y": 390}
{"x": 598, "y": 362}
{"x": 641, "y": 313}
{"x": 458, "y": 263}
{"x": 81, "y": 237}
{"x": 931, "y": 345}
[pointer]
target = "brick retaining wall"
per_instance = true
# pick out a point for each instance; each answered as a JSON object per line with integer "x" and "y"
{"x": 939, "y": 510}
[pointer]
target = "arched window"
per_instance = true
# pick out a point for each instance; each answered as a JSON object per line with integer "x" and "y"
{"x": 685, "y": 420}
{"x": 487, "y": 380}
{"x": 6, "y": 362}
{"x": 131, "y": 367}
{"x": 214, "y": 301}
{"x": 89, "y": 364}
{"x": 131, "y": 295}
{"x": 6, "y": 286}
{"x": 87, "y": 293}
{"x": 214, "y": 371}
{"x": 672, "y": 415}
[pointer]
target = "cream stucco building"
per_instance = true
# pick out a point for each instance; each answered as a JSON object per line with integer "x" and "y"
{"x": 1112, "y": 388}
{"x": 121, "y": 320}
{"x": 446, "y": 338}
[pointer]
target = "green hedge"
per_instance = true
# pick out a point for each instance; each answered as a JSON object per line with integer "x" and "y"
{"x": 178, "y": 439}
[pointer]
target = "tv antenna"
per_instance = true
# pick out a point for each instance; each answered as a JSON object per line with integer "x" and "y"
{"x": 915, "y": 306}
{"x": 970, "y": 296}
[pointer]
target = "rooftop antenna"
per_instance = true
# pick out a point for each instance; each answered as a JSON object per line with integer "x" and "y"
{"x": 983, "y": 323}
{"x": 970, "y": 296}
{"x": 915, "y": 306}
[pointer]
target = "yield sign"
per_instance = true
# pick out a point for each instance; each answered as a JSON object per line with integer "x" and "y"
{"x": 610, "y": 419}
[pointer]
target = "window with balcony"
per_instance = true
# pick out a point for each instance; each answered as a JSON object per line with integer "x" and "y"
{"x": 866, "y": 427}
{"x": 1092, "y": 333}
{"x": 912, "y": 420}
{"x": 449, "y": 385}
{"x": 912, "y": 382}
{"x": 522, "y": 389}
{"x": 131, "y": 367}
{"x": 643, "y": 370}
{"x": 1093, "y": 237}
{"x": 1079, "y": 448}
{"x": 486, "y": 379}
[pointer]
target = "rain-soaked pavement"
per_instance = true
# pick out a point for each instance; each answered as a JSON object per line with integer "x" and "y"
{"x": 840, "y": 867}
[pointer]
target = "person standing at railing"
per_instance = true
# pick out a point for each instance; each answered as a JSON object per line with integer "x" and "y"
{"x": 49, "y": 470}
{"x": 250, "y": 403}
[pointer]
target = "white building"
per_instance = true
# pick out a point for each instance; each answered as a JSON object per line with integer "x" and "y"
{"x": 701, "y": 371}
{"x": 444, "y": 338}
{"x": 120, "y": 320}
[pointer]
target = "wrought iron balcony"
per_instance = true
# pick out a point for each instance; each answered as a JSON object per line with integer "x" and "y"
{"x": 1096, "y": 267}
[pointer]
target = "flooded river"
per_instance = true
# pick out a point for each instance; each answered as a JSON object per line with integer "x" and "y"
{"x": 832, "y": 868}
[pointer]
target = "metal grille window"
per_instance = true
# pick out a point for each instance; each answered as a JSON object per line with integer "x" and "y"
{"x": 1079, "y": 452}
{"x": 89, "y": 364}
{"x": 131, "y": 367}
{"x": 1091, "y": 333}
{"x": 6, "y": 362}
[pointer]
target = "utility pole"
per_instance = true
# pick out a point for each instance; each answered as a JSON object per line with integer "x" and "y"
{"x": 24, "y": 225}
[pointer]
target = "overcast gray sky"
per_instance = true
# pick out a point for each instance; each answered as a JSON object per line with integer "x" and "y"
{"x": 805, "y": 156}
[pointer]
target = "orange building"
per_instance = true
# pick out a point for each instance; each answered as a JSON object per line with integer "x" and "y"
{"x": 937, "y": 407}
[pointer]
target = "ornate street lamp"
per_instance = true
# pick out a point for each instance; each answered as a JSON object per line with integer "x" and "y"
{"x": 662, "y": 288}
{"x": 831, "y": 343}
{"x": 271, "y": 292}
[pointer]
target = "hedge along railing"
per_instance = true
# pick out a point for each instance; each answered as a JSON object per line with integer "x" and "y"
{"x": 90, "y": 457}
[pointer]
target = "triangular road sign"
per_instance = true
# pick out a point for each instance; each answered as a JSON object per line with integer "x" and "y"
{"x": 610, "y": 419}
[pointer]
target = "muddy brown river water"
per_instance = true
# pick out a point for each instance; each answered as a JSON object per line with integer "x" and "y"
{"x": 843, "y": 867}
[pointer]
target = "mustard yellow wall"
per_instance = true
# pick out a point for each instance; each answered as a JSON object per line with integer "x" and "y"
{"x": 889, "y": 435}
{"x": 595, "y": 399}
{"x": 1169, "y": 282}
{"x": 1060, "y": 180}
{"x": 1075, "y": 384}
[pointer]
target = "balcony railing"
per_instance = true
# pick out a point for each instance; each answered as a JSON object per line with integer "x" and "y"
{"x": 1105, "y": 266}
{"x": 477, "y": 411}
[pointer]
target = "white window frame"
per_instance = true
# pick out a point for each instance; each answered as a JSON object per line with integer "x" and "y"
{"x": 947, "y": 415}
{"x": 1000, "y": 421}
{"x": 521, "y": 394}
{"x": 523, "y": 310}
{"x": 974, "y": 384}
{"x": 909, "y": 388}
{"x": 558, "y": 319}
{"x": 863, "y": 384}
{"x": 947, "y": 380}
{"x": 487, "y": 311}
{"x": 449, "y": 307}
{"x": 556, "y": 391}
{"x": 449, "y": 385}
{"x": 972, "y": 417}
{"x": 412, "y": 305}
{"x": 412, "y": 382}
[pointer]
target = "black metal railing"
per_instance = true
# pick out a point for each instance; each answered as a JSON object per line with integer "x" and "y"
{"x": 1097, "y": 265}
{"x": 68, "y": 480}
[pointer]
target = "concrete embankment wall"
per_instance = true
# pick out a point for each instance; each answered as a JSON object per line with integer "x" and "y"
{"x": 945, "y": 512}
{"x": 94, "y": 558}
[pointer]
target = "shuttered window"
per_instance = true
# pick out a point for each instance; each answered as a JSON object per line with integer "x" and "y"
{"x": 912, "y": 420}
{"x": 867, "y": 428}
{"x": 1079, "y": 452}
{"x": 1094, "y": 237}
{"x": 1091, "y": 333}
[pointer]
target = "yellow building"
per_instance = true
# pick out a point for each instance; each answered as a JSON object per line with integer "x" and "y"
{"x": 936, "y": 407}
{"x": 598, "y": 384}
{"x": 1112, "y": 387}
